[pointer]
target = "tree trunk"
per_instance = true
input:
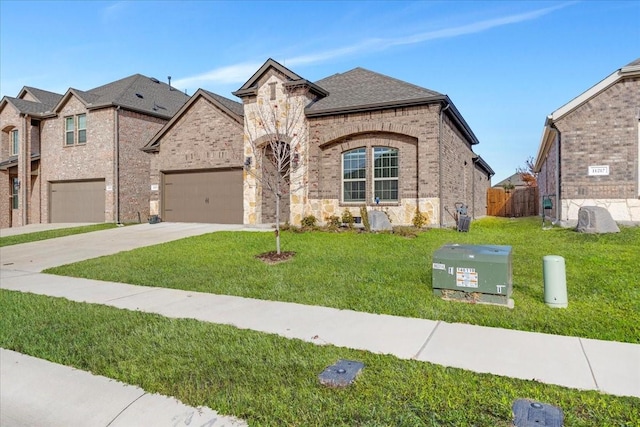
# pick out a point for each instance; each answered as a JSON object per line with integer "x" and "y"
{"x": 278, "y": 196}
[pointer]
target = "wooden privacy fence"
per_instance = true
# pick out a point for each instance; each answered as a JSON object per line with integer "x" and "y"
{"x": 521, "y": 201}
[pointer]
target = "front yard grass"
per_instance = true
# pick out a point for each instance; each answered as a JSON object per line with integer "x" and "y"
{"x": 52, "y": 234}
{"x": 272, "y": 381}
{"x": 390, "y": 274}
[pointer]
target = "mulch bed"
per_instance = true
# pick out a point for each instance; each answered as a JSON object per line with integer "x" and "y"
{"x": 274, "y": 258}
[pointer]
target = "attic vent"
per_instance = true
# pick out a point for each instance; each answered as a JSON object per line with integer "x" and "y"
{"x": 153, "y": 79}
{"x": 139, "y": 95}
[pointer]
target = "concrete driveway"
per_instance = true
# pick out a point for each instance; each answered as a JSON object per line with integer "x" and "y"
{"x": 37, "y": 256}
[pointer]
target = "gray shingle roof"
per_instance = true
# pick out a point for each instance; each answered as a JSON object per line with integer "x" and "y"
{"x": 361, "y": 88}
{"x": 632, "y": 63}
{"x": 234, "y": 106}
{"x": 28, "y": 107}
{"x": 139, "y": 93}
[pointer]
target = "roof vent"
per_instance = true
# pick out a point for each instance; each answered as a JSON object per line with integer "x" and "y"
{"x": 139, "y": 95}
{"x": 153, "y": 79}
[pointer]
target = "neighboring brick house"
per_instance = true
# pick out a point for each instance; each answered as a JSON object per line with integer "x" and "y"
{"x": 364, "y": 139}
{"x": 590, "y": 149}
{"x": 75, "y": 157}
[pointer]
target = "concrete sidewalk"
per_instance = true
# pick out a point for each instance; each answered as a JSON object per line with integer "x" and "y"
{"x": 606, "y": 366}
{"x": 39, "y": 393}
{"x": 609, "y": 367}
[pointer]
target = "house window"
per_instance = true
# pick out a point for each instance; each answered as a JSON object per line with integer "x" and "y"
{"x": 82, "y": 128}
{"x": 15, "y": 188}
{"x": 70, "y": 131}
{"x": 385, "y": 174}
{"x": 15, "y": 143}
{"x": 354, "y": 174}
{"x": 75, "y": 129}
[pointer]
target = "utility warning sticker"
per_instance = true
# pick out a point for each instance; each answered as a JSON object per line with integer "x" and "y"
{"x": 466, "y": 277}
{"x": 438, "y": 266}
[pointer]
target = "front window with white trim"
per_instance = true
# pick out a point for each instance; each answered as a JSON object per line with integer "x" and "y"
{"x": 15, "y": 142}
{"x": 354, "y": 175}
{"x": 385, "y": 174}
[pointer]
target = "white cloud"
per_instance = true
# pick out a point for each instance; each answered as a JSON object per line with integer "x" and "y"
{"x": 239, "y": 73}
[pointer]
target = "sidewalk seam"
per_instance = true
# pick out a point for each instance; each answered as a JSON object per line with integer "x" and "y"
{"x": 125, "y": 408}
{"x": 427, "y": 341}
{"x": 133, "y": 295}
{"x": 589, "y": 365}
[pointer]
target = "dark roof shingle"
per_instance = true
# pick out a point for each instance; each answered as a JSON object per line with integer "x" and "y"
{"x": 234, "y": 106}
{"x": 360, "y": 88}
{"x": 139, "y": 93}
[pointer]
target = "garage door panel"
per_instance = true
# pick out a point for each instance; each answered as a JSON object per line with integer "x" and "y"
{"x": 77, "y": 201}
{"x": 205, "y": 196}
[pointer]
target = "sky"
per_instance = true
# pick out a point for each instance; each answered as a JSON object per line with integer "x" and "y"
{"x": 506, "y": 65}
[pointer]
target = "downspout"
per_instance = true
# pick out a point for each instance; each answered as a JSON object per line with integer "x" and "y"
{"x": 558, "y": 198}
{"x": 440, "y": 151}
{"x": 117, "y": 163}
{"x": 26, "y": 173}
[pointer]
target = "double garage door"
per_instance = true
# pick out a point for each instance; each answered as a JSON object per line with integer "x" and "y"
{"x": 213, "y": 196}
{"x": 77, "y": 201}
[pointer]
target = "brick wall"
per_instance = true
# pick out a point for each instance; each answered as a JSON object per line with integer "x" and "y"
{"x": 603, "y": 131}
{"x": 93, "y": 160}
{"x": 135, "y": 130}
{"x": 547, "y": 180}
{"x": 9, "y": 120}
{"x": 457, "y": 171}
{"x": 203, "y": 138}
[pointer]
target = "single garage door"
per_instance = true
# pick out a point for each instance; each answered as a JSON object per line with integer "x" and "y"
{"x": 213, "y": 196}
{"x": 77, "y": 201}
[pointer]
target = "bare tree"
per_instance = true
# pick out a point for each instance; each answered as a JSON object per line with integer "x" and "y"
{"x": 527, "y": 173}
{"x": 276, "y": 132}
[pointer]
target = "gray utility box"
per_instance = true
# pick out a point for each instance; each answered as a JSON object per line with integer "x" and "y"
{"x": 473, "y": 273}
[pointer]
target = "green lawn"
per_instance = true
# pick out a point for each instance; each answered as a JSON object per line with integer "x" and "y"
{"x": 390, "y": 274}
{"x": 51, "y": 234}
{"x": 272, "y": 381}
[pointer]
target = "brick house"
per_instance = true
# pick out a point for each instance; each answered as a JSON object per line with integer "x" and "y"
{"x": 75, "y": 157}
{"x": 590, "y": 149}
{"x": 364, "y": 139}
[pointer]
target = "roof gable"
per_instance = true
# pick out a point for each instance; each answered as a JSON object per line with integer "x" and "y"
{"x": 360, "y": 88}
{"x": 233, "y": 109}
{"x": 31, "y": 108}
{"x": 291, "y": 79}
{"x": 137, "y": 93}
{"x": 49, "y": 99}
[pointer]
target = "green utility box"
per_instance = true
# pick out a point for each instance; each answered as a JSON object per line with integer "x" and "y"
{"x": 473, "y": 273}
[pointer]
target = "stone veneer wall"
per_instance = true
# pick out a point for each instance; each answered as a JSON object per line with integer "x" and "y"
{"x": 293, "y": 126}
{"x": 203, "y": 138}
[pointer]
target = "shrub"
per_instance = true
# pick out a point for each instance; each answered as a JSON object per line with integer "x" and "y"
{"x": 419, "y": 219}
{"x": 365, "y": 218}
{"x": 309, "y": 221}
{"x": 333, "y": 222}
{"x": 347, "y": 218}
